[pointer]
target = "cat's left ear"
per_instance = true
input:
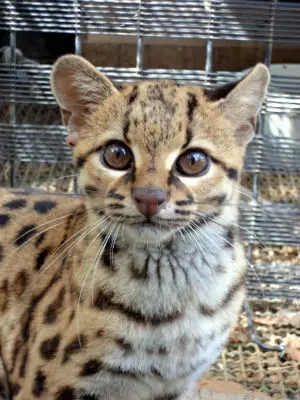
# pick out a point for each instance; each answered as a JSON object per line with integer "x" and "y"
{"x": 79, "y": 89}
{"x": 243, "y": 103}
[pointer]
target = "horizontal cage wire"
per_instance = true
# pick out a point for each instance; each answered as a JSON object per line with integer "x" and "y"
{"x": 33, "y": 150}
{"x": 213, "y": 19}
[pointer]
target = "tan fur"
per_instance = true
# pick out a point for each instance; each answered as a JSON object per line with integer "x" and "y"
{"x": 92, "y": 303}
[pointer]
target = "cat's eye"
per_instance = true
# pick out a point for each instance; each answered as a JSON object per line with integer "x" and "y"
{"x": 193, "y": 163}
{"x": 117, "y": 155}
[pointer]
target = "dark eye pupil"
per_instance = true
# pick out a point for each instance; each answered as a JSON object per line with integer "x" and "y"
{"x": 192, "y": 163}
{"x": 118, "y": 152}
{"x": 193, "y": 159}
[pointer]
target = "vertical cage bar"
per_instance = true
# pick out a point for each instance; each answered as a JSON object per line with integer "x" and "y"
{"x": 78, "y": 51}
{"x": 140, "y": 43}
{"x": 268, "y": 59}
{"x": 209, "y": 56}
{"x": 78, "y": 44}
{"x": 12, "y": 106}
{"x": 209, "y": 43}
{"x": 255, "y": 191}
{"x": 140, "y": 54}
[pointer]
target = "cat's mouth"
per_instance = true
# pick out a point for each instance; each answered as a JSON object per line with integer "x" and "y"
{"x": 149, "y": 224}
{"x": 148, "y": 231}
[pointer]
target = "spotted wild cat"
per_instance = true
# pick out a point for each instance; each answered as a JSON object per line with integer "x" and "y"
{"x": 130, "y": 290}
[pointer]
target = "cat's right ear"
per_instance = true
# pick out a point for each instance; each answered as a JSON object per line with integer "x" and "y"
{"x": 79, "y": 89}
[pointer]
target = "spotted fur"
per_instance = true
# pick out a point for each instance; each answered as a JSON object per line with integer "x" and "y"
{"x": 96, "y": 305}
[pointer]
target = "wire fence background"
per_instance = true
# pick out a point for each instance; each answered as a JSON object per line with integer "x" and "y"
{"x": 32, "y": 140}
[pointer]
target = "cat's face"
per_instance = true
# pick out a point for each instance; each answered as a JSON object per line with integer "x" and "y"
{"x": 154, "y": 158}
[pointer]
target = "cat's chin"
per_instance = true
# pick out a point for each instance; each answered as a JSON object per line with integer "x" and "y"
{"x": 147, "y": 233}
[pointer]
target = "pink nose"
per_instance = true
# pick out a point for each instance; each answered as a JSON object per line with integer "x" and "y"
{"x": 149, "y": 200}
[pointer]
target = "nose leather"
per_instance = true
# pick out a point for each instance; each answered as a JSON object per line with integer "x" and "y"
{"x": 149, "y": 200}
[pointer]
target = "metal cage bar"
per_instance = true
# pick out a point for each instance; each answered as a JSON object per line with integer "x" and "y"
{"x": 12, "y": 107}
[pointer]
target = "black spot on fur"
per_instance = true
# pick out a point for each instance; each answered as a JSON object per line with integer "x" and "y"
{"x": 126, "y": 130}
{"x": 156, "y": 372}
{"x": 72, "y": 315}
{"x": 44, "y": 206}
{"x": 182, "y": 212}
{"x": 1, "y": 253}
{"x": 115, "y": 206}
{"x": 15, "y": 352}
{"x": 75, "y": 346}
{"x": 108, "y": 252}
{"x": 15, "y": 204}
{"x": 89, "y": 397}
{"x": 167, "y": 397}
{"x": 105, "y": 301}
{"x": 4, "y": 295}
{"x": 4, "y": 220}
{"x": 54, "y": 308}
{"x": 115, "y": 195}
{"x": 80, "y": 162}
{"x": 23, "y": 364}
{"x": 3, "y": 390}
{"x": 15, "y": 388}
{"x": 25, "y": 234}
{"x": 124, "y": 345}
{"x": 133, "y": 94}
{"x": 219, "y": 199}
{"x": 20, "y": 282}
{"x": 91, "y": 367}
{"x": 39, "y": 384}
{"x": 66, "y": 393}
{"x": 232, "y": 173}
{"x": 189, "y": 200}
{"x": 163, "y": 350}
{"x": 40, "y": 239}
{"x": 192, "y": 103}
{"x": 229, "y": 237}
{"x": 49, "y": 347}
{"x": 140, "y": 274}
{"x": 32, "y": 306}
{"x": 91, "y": 190}
{"x": 41, "y": 258}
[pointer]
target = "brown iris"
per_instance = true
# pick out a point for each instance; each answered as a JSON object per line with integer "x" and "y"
{"x": 193, "y": 163}
{"x": 117, "y": 155}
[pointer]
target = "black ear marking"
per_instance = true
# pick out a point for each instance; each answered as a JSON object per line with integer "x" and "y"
{"x": 220, "y": 92}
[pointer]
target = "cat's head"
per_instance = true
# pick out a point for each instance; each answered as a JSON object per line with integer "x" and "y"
{"x": 155, "y": 157}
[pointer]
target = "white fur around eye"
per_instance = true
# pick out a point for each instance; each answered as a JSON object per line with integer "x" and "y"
{"x": 171, "y": 159}
{"x": 190, "y": 181}
{"x": 97, "y": 163}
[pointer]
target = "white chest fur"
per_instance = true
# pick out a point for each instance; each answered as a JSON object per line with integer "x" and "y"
{"x": 179, "y": 303}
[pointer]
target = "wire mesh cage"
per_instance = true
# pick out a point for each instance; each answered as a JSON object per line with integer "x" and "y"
{"x": 209, "y": 37}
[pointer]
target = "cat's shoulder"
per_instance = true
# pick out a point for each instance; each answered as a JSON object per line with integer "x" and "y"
{"x": 25, "y": 210}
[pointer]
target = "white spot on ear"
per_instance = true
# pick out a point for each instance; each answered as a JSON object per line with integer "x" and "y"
{"x": 171, "y": 159}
